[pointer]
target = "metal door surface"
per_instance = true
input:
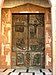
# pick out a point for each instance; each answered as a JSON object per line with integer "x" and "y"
{"x": 28, "y": 39}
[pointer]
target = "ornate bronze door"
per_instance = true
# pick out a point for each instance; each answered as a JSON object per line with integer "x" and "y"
{"x": 28, "y": 39}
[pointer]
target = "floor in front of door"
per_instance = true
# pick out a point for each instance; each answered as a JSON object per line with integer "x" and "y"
{"x": 25, "y": 71}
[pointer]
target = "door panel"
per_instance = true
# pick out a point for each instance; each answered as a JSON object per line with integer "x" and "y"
{"x": 19, "y": 39}
{"x": 28, "y": 39}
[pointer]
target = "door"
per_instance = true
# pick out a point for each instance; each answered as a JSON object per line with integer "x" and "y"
{"x": 28, "y": 39}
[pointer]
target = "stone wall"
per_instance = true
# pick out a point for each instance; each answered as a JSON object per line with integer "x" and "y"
{"x": 48, "y": 37}
{"x": 6, "y": 39}
{"x": 6, "y": 51}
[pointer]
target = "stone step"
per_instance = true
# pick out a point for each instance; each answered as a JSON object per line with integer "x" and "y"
{"x": 8, "y": 71}
{"x": 21, "y": 71}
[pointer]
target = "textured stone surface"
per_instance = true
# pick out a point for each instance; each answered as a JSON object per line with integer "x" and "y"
{"x": 13, "y": 3}
{"x": 7, "y": 32}
{"x": 6, "y": 38}
{"x": 48, "y": 36}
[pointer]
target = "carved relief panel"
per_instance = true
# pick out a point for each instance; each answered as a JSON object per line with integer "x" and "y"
{"x": 28, "y": 39}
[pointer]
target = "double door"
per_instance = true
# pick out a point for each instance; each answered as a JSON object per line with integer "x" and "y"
{"x": 28, "y": 39}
